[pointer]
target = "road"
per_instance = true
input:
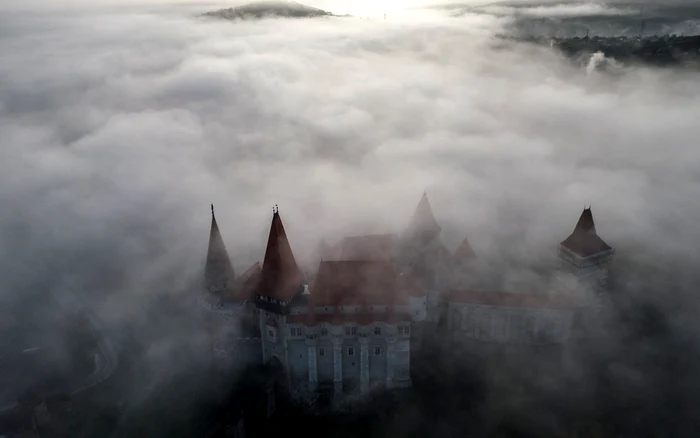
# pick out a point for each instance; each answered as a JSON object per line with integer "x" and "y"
{"x": 106, "y": 349}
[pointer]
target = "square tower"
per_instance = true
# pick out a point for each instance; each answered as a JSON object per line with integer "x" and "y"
{"x": 585, "y": 255}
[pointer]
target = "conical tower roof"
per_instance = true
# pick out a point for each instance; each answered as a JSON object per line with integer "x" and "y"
{"x": 218, "y": 271}
{"x": 423, "y": 225}
{"x": 464, "y": 251}
{"x": 281, "y": 277}
{"x": 584, "y": 241}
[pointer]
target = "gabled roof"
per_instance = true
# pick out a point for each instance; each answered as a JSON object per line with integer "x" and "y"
{"x": 510, "y": 299}
{"x": 464, "y": 252}
{"x": 358, "y": 283}
{"x": 281, "y": 278}
{"x": 218, "y": 271}
{"x": 423, "y": 226}
{"x": 369, "y": 247}
{"x": 245, "y": 286}
{"x": 584, "y": 241}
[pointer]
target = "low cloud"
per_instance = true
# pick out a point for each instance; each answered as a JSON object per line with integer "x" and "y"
{"x": 558, "y": 10}
{"x": 121, "y": 125}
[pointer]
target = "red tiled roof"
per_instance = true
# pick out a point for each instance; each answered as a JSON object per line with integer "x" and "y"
{"x": 271, "y": 322}
{"x": 246, "y": 285}
{"x": 510, "y": 299}
{"x": 369, "y": 247}
{"x": 281, "y": 277}
{"x": 464, "y": 251}
{"x": 355, "y": 282}
{"x": 584, "y": 241}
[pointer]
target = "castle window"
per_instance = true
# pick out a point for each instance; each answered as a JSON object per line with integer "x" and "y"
{"x": 321, "y": 351}
{"x": 500, "y": 326}
{"x": 404, "y": 330}
{"x": 484, "y": 326}
{"x": 456, "y": 319}
{"x": 271, "y": 334}
{"x": 377, "y": 330}
{"x": 351, "y": 351}
{"x": 295, "y": 331}
{"x": 324, "y": 331}
{"x": 516, "y": 327}
{"x": 350, "y": 330}
{"x": 377, "y": 351}
{"x": 529, "y": 328}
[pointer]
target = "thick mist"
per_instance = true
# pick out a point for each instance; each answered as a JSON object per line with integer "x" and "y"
{"x": 122, "y": 123}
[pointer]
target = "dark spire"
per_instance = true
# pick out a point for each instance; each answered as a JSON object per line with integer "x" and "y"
{"x": 584, "y": 240}
{"x": 281, "y": 276}
{"x": 464, "y": 251}
{"x": 423, "y": 225}
{"x": 218, "y": 271}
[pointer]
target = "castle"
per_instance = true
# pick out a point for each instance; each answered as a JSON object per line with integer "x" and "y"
{"x": 352, "y": 328}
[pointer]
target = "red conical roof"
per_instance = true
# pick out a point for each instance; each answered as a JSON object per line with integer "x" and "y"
{"x": 584, "y": 241}
{"x": 281, "y": 277}
{"x": 465, "y": 251}
{"x": 218, "y": 271}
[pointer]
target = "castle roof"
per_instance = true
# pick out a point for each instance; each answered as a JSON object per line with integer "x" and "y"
{"x": 218, "y": 271}
{"x": 280, "y": 277}
{"x": 369, "y": 247}
{"x": 510, "y": 299}
{"x": 464, "y": 252}
{"x": 423, "y": 226}
{"x": 584, "y": 241}
{"x": 246, "y": 285}
{"x": 361, "y": 282}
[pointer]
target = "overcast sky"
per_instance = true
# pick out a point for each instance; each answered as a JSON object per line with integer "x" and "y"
{"x": 120, "y": 125}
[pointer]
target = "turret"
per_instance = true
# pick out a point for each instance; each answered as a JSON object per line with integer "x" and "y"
{"x": 281, "y": 279}
{"x": 421, "y": 250}
{"x": 584, "y": 254}
{"x": 218, "y": 271}
{"x": 423, "y": 227}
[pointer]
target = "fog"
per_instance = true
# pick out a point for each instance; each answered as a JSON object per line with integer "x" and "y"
{"x": 121, "y": 122}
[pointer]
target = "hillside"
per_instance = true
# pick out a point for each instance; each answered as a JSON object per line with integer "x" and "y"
{"x": 268, "y": 9}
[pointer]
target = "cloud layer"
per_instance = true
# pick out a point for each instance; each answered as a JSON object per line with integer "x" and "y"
{"x": 120, "y": 126}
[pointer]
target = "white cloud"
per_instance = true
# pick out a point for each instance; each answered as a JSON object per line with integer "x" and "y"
{"x": 120, "y": 126}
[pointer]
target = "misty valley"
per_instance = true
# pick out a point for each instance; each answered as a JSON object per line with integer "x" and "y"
{"x": 231, "y": 219}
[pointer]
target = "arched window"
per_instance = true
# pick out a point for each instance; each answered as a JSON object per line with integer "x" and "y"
{"x": 324, "y": 331}
{"x": 456, "y": 319}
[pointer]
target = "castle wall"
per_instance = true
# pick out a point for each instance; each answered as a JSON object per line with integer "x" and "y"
{"x": 351, "y": 365}
{"x": 509, "y": 324}
{"x": 377, "y": 362}
{"x": 324, "y": 360}
{"x": 298, "y": 356}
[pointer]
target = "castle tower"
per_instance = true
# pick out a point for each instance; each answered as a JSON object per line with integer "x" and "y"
{"x": 585, "y": 255}
{"x": 218, "y": 271}
{"x": 464, "y": 252}
{"x": 421, "y": 250}
{"x": 281, "y": 281}
{"x": 423, "y": 227}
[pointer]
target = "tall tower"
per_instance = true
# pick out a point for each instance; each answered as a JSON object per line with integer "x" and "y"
{"x": 585, "y": 255}
{"x": 281, "y": 281}
{"x": 218, "y": 271}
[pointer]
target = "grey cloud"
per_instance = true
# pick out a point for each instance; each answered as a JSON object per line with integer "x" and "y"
{"x": 120, "y": 126}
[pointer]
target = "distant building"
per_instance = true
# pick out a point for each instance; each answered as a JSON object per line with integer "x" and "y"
{"x": 351, "y": 329}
